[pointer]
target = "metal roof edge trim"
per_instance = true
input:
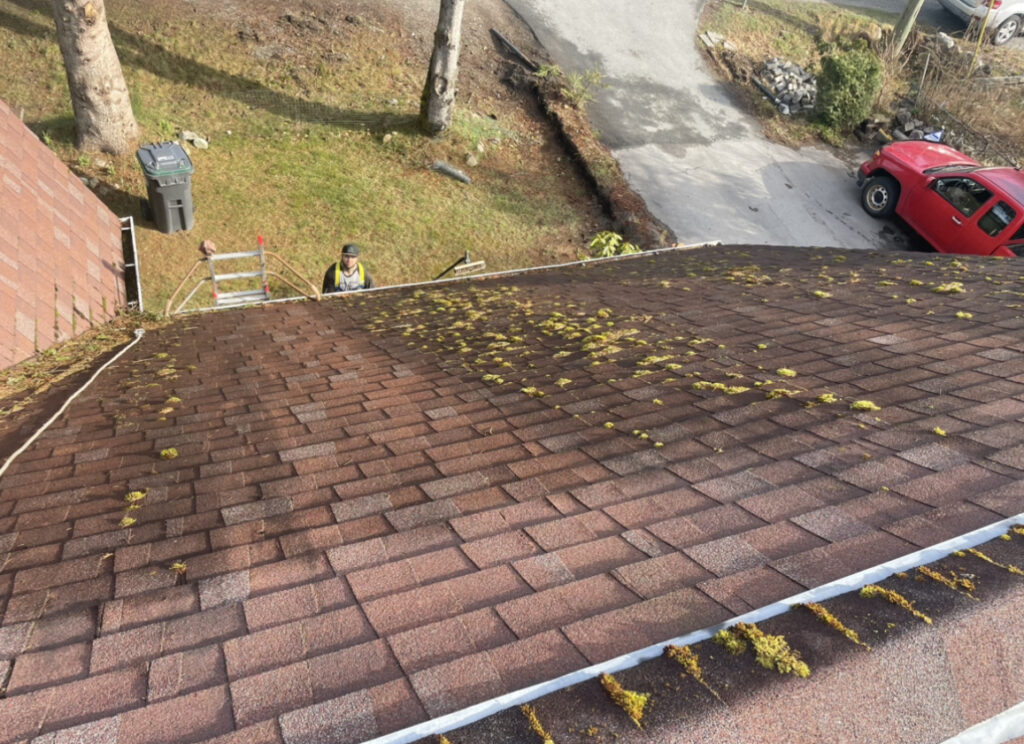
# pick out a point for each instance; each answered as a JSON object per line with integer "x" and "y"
{"x": 1002, "y": 727}
{"x": 853, "y": 582}
{"x": 491, "y": 275}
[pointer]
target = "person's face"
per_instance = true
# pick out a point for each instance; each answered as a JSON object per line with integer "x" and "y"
{"x": 349, "y": 261}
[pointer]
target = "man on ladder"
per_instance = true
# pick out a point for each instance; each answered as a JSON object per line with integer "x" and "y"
{"x": 348, "y": 274}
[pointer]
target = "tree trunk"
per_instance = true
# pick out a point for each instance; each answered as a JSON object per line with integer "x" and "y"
{"x": 99, "y": 96}
{"x": 905, "y": 23}
{"x": 438, "y": 100}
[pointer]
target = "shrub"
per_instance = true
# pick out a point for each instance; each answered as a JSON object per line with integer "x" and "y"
{"x": 848, "y": 85}
{"x": 607, "y": 244}
{"x": 576, "y": 89}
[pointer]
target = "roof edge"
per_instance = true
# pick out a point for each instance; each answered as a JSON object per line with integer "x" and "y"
{"x": 1000, "y": 728}
{"x": 490, "y": 275}
{"x": 853, "y": 582}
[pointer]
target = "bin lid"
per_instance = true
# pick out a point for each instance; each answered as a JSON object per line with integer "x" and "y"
{"x": 164, "y": 159}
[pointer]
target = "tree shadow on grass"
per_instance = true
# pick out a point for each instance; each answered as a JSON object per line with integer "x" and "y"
{"x": 56, "y": 129}
{"x": 145, "y": 54}
{"x": 787, "y": 18}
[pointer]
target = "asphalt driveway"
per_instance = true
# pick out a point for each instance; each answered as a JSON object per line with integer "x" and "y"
{"x": 702, "y": 165}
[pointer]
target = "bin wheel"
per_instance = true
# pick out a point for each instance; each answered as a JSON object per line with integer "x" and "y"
{"x": 147, "y": 210}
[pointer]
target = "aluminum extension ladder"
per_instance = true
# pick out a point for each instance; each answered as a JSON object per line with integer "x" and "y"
{"x": 238, "y": 298}
{"x": 245, "y": 296}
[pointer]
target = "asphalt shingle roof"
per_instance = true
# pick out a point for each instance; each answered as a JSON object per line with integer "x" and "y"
{"x": 389, "y": 506}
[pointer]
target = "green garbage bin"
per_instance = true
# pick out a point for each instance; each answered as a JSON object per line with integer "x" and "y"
{"x": 168, "y": 185}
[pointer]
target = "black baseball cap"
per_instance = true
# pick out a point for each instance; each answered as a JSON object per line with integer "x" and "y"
{"x": 350, "y": 249}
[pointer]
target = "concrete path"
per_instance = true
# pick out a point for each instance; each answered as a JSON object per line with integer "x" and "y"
{"x": 702, "y": 165}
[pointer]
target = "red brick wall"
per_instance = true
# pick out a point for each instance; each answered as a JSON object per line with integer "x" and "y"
{"x": 61, "y": 267}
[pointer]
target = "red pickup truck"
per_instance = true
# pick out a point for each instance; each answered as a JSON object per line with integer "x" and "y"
{"x": 950, "y": 200}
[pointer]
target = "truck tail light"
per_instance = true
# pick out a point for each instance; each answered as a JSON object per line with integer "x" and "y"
{"x": 995, "y": 4}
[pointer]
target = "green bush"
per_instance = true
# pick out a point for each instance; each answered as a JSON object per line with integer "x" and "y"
{"x": 577, "y": 89}
{"x": 607, "y": 244}
{"x": 848, "y": 85}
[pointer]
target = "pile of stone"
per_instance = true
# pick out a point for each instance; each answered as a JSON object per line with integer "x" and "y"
{"x": 794, "y": 87}
{"x": 906, "y": 126}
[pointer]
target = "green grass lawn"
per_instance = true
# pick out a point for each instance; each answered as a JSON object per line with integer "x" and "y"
{"x": 313, "y": 144}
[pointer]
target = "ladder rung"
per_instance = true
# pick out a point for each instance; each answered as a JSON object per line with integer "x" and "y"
{"x": 238, "y": 301}
{"x": 238, "y": 275}
{"x": 246, "y": 293}
{"x": 223, "y": 256}
{"x": 468, "y": 267}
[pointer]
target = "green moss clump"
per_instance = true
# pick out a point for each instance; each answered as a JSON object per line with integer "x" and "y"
{"x": 833, "y": 622}
{"x": 770, "y": 651}
{"x": 871, "y": 590}
{"x": 535, "y": 725}
{"x": 633, "y": 703}
{"x": 732, "y": 643}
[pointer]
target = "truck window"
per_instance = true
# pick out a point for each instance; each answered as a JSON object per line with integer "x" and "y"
{"x": 1016, "y": 243}
{"x": 965, "y": 194}
{"x": 995, "y": 220}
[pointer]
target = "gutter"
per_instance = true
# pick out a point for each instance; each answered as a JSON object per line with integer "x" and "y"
{"x": 1001, "y": 728}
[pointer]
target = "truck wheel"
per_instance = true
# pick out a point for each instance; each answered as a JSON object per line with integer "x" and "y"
{"x": 1007, "y": 30}
{"x": 879, "y": 195}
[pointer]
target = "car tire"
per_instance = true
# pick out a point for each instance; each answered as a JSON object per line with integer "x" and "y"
{"x": 1007, "y": 31}
{"x": 879, "y": 195}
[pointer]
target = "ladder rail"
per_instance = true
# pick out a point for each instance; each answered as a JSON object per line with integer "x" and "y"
{"x": 230, "y": 256}
{"x": 237, "y": 298}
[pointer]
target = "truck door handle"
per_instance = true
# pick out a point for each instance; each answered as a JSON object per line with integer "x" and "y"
{"x": 957, "y": 221}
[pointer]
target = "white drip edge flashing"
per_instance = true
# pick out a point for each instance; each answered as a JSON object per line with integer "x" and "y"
{"x": 139, "y": 333}
{"x": 853, "y": 582}
{"x": 1002, "y": 727}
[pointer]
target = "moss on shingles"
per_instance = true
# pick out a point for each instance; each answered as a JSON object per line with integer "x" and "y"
{"x": 690, "y": 662}
{"x": 535, "y": 725}
{"x": 873, "y": 590}
{"x": 957, "y": 583}
{"x": 770, "y": 651}
{"x": 833, "y": 622}
{"x": 633, "y": 703}
{"x": 981, "y": 556}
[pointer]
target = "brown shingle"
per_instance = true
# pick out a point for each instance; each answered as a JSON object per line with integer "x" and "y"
{"x": 446, "y": 640}
{"x": 345, "y": 720}
{"x": 456, "y": 684}
{"x": 45, "y": 668}
{"x": 551, "y": 608}
{"x": 651, "y": 621}
{"x": 453, "y": 548}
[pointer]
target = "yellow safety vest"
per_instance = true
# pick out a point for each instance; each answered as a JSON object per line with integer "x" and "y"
{"x": 337, "y": 274}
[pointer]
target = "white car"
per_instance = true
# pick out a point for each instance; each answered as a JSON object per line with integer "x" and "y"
{"x": 1004, "y": 22}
